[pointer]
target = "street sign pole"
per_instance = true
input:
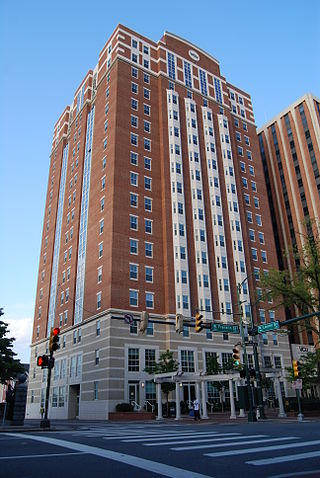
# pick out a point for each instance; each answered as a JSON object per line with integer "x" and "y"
{"x": 251, "y": 415}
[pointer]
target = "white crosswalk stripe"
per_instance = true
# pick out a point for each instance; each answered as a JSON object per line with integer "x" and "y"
{"x": 222, "y": 437}
{"x": 245, "y": 451}
{"x": 284, "y": 459}
{"x": 180, "y": 435}
{"x": 239, "y": 443}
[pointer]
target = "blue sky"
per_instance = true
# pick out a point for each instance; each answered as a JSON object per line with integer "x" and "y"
{"x": 268, "y": 48}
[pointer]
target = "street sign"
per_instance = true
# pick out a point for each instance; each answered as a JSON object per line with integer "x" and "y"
{"x": 297, "y": 384}
{"x": 226, "y": 328}
{"x": 128, "y": 318}
{"x": 270, "y": 326}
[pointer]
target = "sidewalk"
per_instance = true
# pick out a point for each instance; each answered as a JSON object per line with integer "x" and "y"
{"x": 215, "y": 418}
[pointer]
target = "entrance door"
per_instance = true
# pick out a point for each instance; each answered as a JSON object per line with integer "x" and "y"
{"x": 74, "y": 399}
{"x": 189, "y": 393}
{"x": 134, "y": 396}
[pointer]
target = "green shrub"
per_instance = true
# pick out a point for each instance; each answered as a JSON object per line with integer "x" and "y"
{"x": 124, "y": 407}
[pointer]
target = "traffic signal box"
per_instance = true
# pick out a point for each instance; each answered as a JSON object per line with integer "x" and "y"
{"x": 198, "y": 324}
{"x": 296, "y": 368}
{"x": 236, "y": 356}
{"x": 144, "y": 322}
{"x": 54, "y": 339}
{"x": 179, "y": 323}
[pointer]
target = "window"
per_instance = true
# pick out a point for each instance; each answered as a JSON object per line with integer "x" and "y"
{"x": 147, "y": 204}
{"x": 97, "y": 357}
{"x": 261, "y": 237}
{"x": 254, "y": 253}
{"x": 247, "y": 199}
{"x": 187, "y": 361}
{"x": 147, "y": 144}
{"x": 147, "y": 163}
{"x": 148, "y": 249}
{"x": 133, "y": 246}
{"x": 147, "y": 183}
{"x": 146, "y": 93}
{"x": 148, "y": 226}
{"x": 133, "y": 298}
{"x": 133, "y": 179}
{"x": 133, "y": 222}
{"x": 133, "y": 360}
{"x": 133, "y": 271}
{"x": 149, "y": 274}
{"x": 245, "y": 183}
{"x": 254, "y": 186}
{"x": 134, "y": 88}
{"x": 134, "y": 72}
{"x": 258, "y": 220}
{"x": 146, "y": 109}
{"x": 134, "y": 121}
{"x": 146, "y": 78}
{"x": 264, "y": 256}
{"x": 134, "y": 104}
{"x": 149, "y": 358}
{"x": 101, "y": 226}
{"x": 252, "y": 235}
{"x": 149, "y": 300}
{"x": 256, "y": 202}
{"x": 146, "y": 126}
{"x": 249, "y": 216}
{"x": 242, "y": 167}
{"x": 249, "y": 155}
{"x": 98, "y": 327}
{"x": 251, "y": 170}
{"x": 133, "y": 200}
{"x": 134, "y": 139}
{"x": 256, "y": 272}
{"x": 99, "y": 300}
{"x": 133, "y": 158}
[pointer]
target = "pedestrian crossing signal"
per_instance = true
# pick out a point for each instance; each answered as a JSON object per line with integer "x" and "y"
{"x": 296, "y": 368}
{"x": 43, "y": 361}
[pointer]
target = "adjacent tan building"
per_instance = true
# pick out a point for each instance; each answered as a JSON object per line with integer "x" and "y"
{"x": 290, "y": 150}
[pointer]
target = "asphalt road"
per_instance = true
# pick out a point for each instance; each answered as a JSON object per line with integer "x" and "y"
{"x": 147, "y": 450}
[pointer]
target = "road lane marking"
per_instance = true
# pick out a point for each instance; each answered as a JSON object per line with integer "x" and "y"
{"x": 224, "y": 435}
{"x": 173, "y": 437}
{"x": 283, "y": 459}
{"x": 246, "y": 442}
{"x": 153, "y": 466}
{"x": 45, "y": 455}
{"x": 265, "y": 448}
{"x": 297, "y": 473}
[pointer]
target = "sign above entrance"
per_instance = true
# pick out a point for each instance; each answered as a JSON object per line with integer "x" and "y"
{"x": 226, "y": 328}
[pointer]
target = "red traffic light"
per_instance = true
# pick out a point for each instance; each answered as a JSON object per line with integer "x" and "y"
{"x": 54, "y": 339}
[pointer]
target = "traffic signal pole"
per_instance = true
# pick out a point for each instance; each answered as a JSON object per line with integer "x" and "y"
{"x": 251, "y": 415}
{"x": 45, "y": 423}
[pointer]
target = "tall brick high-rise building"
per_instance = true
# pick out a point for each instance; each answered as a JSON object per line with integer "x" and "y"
{"x": 156, "y": 202}
{"x": 290, "y": 150}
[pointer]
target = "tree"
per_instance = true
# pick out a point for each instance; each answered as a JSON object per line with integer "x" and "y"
{"x": 166, "y": 364}
{"x": 214, "y": 368}
{"x": 300, "y": 288}
{"x": 9, "y": 366}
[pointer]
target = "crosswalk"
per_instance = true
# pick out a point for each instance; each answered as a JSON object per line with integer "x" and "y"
{"x": 267, "y": 449}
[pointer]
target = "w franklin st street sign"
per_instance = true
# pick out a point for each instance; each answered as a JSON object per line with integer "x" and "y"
{"x": 225, "y": 328}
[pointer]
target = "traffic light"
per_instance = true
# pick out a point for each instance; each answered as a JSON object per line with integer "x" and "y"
{"x": 43, "y": 361}
{"x": 296, "y": 368}
{"x": 54, "y": 339}
{"x": 144, "y": 322}
{"x": 179, "y": 323}
{"x": 236, "y": 356}
{"x": 198, "y": 325}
